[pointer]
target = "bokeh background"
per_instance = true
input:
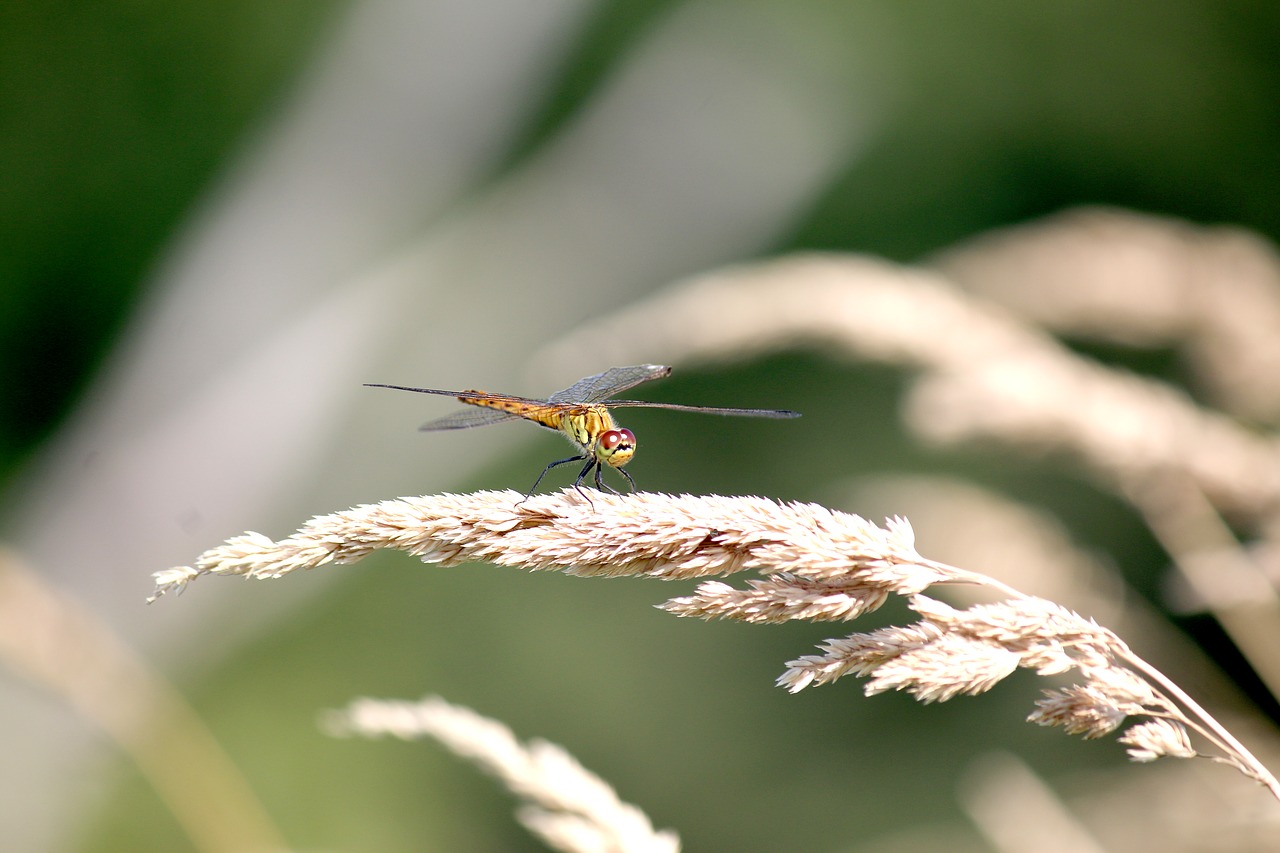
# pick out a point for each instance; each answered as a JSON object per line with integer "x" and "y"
{"x": 221, "y": 218}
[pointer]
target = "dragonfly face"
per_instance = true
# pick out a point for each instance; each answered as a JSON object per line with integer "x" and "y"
{"x": 616, "y": 447}
{"x": 595, "y": 432}
{"x": 579, "y": 412}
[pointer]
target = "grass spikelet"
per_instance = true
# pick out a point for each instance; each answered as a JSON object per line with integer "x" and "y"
{"x": 567, "y": 806}
{"x": 817, "y": 564}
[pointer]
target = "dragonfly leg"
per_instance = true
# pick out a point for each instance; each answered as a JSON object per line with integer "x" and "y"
{"x": 592, "y": 462}
{"x": 605, "y": 487}
{"x": 553, "y": 465}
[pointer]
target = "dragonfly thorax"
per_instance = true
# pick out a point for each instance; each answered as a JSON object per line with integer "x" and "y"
{"x": 594, "y": 430}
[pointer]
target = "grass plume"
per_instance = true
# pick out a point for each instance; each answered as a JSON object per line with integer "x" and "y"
{"x": 817, "y": 564}
{"x": 566, "y": 805}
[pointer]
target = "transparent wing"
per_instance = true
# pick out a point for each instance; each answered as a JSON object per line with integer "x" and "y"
{"x": 706, "y": 410}
{"x": 615, "y": 380}
{"x": 426, "y": 390}
{"x": 469, "y": 418}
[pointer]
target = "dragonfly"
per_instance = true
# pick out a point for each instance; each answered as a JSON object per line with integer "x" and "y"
{"x": 581, "y": 414}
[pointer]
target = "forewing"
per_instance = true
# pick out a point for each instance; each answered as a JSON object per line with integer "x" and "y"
{"x": 705, "y": 410}
{"x": 615, "y": 380}
{"x": 468, "y": 418}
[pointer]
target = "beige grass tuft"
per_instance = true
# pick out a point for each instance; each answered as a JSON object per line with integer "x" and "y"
{"x": 818, "y": 564}
{"x": 567, "y": 806}
{"x": 645, "y": 534}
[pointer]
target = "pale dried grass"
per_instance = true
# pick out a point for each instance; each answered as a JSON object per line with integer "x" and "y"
{"x": 1213, "y": 293}
{"x": 567, "y": 806}
{"x": 818, "y": 564}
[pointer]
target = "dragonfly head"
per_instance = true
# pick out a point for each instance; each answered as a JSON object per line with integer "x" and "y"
{"x": 616, "y": 447}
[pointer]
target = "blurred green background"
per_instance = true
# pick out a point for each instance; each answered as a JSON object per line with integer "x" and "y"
{"x": 129, "y": 131}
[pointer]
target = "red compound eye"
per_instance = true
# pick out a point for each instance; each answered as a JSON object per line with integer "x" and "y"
{"x": 615, "y": 438}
